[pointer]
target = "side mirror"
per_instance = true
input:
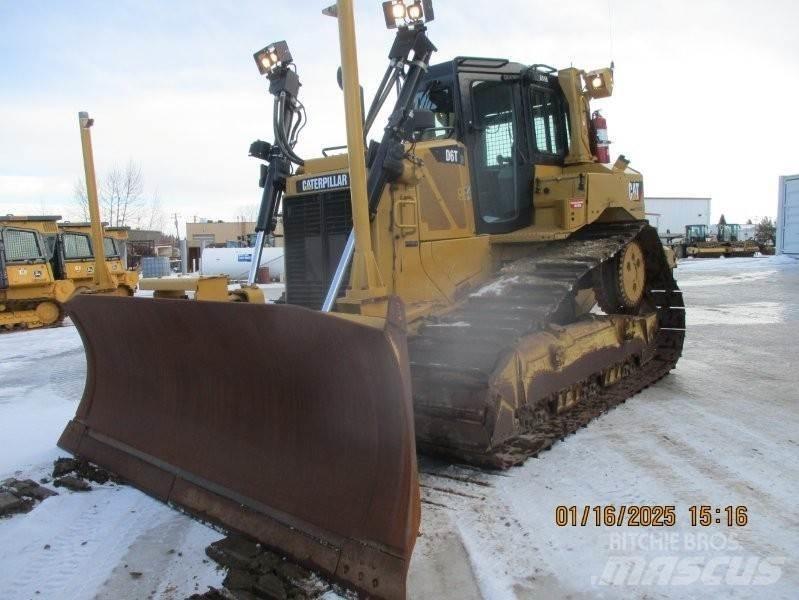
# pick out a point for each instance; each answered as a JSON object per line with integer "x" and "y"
{"x": 422, "y": 119}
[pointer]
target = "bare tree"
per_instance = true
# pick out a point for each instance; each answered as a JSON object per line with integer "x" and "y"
{"x": 122, "y": 195}
{"x": 122, "y": 199}
{"x": 79, "y": 196}
{"x": 152, "y": 216}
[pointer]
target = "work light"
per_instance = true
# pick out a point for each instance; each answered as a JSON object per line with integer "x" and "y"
{"x": 271, "y": 57}
{"x": 405, "y": 13}
{"x": 599, "y": 83}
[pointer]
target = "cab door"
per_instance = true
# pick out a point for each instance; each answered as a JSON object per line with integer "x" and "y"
{"x": 495, "y": 137}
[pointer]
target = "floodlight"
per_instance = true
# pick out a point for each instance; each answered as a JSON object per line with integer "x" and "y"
{"x": 272, "y": 56}
{"x": 599, "y": 83}
{"x": 406, "y": 13}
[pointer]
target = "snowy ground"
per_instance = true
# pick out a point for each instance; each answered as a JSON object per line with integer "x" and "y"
{"x": 722, "y": 430}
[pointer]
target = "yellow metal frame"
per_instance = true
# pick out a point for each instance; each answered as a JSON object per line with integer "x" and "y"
{"x": 366, "y": 283}
{"x": 424, "y": 233}
{"x": 211, "y": 289}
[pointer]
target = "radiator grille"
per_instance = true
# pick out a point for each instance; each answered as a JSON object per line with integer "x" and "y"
{"x": 315, "y": 229}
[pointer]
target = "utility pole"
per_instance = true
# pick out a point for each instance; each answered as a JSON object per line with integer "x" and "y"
{"x": 177, "y": 230}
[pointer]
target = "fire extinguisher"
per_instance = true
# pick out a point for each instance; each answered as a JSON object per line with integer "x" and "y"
{"x": 601, "y": 142}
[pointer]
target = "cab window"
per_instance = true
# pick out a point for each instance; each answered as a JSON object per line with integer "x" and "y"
{"x": 495, "y": 151}
{"x": 439, "y": 98}
{"x": 110, "y": 248}
{"x": 548, "y": 118}
{"x": 76, "y": 246}
{"x": 21, "y": 245}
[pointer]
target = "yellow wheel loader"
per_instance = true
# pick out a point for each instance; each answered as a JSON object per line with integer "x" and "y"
{"x": 441, "y": 293}
{"x": 30, "y": 295}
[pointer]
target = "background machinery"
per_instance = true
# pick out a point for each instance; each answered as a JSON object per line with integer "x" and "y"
{"x": 698, "y": 242}
{"x": 30, "y": 295}
{"x": 457, "y": 264}
{"x": 99, "y": 269}
{"x": 729, "y": 235}
{"x": 74, "y": 259}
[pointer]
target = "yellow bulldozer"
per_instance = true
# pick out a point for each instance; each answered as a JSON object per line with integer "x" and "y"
{"x": 74, "y": 259}
{"x": 89, "y": 255}
{"x": 476, "y": 284}
{"x": 30, "y": 294}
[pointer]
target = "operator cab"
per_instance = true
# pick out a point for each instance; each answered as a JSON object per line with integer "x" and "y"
{"x": 729, "y": 232}
{"x": 695, "y": 233}
{"x": 510, "y": 117}
{"x": 24, "y": 246}
{"x": 20, "y": 247}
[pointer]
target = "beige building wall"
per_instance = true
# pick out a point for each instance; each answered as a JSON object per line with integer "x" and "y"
{"x": 199, "y": 234}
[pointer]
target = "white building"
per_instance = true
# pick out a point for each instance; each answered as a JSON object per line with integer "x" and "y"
{"x": 671, "y": 215}
{"x": 788, "y": 216}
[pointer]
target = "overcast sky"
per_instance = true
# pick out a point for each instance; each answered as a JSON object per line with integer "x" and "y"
{"x": 705, "y": 101}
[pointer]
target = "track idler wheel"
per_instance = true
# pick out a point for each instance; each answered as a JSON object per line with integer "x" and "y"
{"x": 620, "y": 282}
{"x": 48, "y": 312}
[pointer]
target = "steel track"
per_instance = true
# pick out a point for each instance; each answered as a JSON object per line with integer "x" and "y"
{"x": 452, "y": 358}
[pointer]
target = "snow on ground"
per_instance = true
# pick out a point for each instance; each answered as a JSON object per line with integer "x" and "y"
{"x": 78, "y": 544}
{"x": 722, "y": 429}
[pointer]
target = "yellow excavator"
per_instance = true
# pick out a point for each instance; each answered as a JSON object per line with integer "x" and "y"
{"x": 30, "y": 294}
{"x": 477, "y": 284}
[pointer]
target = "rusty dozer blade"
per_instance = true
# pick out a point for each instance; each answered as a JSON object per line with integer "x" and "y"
{"x": 288, "y": 425}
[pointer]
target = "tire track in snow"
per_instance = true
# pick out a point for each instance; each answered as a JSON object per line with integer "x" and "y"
{"x": 87, "y": 544}
{"x": 692, "y": 490}
{"x": 68, "y": 374}
{"x": 60, "y": 562}
{"x": 149, "y": 554}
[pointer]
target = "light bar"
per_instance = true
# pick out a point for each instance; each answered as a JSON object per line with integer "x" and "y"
{"x": 406, "y": 13}
{"x": 273, "y": 56}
